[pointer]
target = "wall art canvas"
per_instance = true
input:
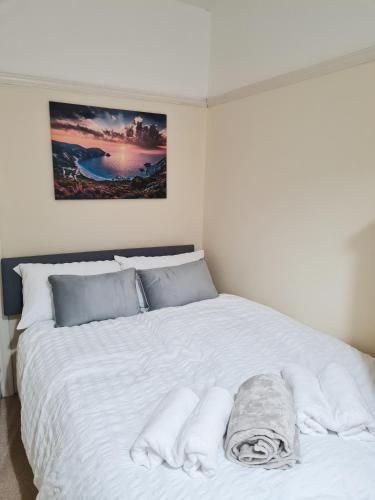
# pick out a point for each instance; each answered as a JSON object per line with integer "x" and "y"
{"x": 105, "y": 153}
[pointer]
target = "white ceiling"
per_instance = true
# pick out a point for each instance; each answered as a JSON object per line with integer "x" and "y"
{"x": 236, "y": 43}
{"x": 176, "y": 64}
{"x": 255, "y": 40}
{"x": 202, "y": 4}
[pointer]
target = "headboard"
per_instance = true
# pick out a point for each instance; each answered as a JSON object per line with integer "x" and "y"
{"x": 12, "y": 283}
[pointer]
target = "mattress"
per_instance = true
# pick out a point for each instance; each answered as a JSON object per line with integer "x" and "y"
{"x": 87, "y": 391}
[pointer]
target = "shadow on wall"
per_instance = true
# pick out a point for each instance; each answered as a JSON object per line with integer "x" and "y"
{"x": 15, "y": 335}
{"x": 8, "y": 343}
{"x": 362, "y": 314}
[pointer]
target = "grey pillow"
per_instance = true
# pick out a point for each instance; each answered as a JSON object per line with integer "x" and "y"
{"x": 177, "y": 285}
{"x": 81, "y": 299}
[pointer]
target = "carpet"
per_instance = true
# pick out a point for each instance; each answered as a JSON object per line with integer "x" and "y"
{"x": 16, "y": 477}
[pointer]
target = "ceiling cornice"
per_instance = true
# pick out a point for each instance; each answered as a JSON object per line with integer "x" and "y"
{"x": 341, "y": 63}
{"x": 13, "y": 79}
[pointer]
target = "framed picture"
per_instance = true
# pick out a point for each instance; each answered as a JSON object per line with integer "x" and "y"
{"x": 105, "y": 153}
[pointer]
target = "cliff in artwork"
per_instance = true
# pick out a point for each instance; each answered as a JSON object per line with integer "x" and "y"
{"x": 72, "y": 181}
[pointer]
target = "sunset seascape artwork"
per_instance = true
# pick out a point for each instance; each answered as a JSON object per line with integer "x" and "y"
{"x": 105, "y": 153}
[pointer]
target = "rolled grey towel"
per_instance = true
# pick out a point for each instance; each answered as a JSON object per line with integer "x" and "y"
{"x": 262, "y": 427}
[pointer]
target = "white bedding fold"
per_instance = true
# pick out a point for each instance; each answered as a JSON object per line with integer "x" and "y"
{"x": 329, "y": 401}
{"x": 156, "y": 442}
{"x": 199, "y": 441}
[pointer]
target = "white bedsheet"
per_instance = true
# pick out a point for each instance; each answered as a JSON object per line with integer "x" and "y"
{"x": 87, "y": 391}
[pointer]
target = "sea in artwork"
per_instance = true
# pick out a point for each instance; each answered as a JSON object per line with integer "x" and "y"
{"x": 120, "y": 163}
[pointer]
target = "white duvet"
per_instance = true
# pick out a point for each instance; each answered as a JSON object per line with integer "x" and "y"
{"x": 87, "y": 391}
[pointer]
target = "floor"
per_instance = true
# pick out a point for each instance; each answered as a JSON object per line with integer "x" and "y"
{"x": 16, "y": 478}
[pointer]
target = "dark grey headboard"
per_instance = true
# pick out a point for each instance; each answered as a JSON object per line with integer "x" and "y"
{"x": 12, "y": 283}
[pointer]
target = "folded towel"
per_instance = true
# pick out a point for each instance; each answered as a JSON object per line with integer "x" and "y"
{"x": 351, "y": 415}
{"x": 156, "y": 442}
{"x": 262, "y": 428}
{"x": 329, "y": 401}
{"x": 199, "y": 441}
{"x": 314, "y": 415}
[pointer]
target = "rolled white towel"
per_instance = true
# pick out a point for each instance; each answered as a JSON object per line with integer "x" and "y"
{"x": 314, "y": 415}
{"x": 352, "y": 417}
{"x": 198, "y": 444}
{"x": 156, "y": 442}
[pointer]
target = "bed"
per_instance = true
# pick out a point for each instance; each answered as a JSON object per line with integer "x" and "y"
{"x": 86, "y": 392}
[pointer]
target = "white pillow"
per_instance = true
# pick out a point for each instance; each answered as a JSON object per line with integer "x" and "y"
{"x": 153, "y": 263}
{"x": 156, "y": 262}
{"x": 36, "y": 290}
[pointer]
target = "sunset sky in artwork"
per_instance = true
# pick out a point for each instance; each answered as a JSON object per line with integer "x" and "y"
{"x": 91, "y": 142}
{"x": 108, "y": 129}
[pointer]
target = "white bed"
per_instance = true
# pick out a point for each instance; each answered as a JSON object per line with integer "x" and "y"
{"x": 87, "y": 391}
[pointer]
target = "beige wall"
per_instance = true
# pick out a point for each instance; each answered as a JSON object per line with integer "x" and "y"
{"x": 32, "y": 222}
{"x": 290, "y": 201}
